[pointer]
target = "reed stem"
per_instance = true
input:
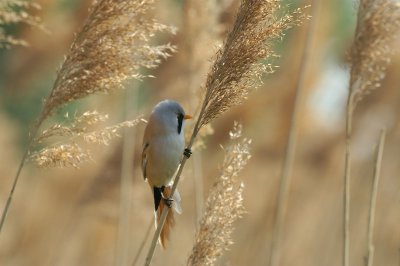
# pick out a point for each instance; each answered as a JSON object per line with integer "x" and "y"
{"x": 374, "y": 192}
{"x": 287, "y": 167}
{"x": 16, "y": 177}
{"x": 145, "y": 237}
{"x": 123, "y": 249}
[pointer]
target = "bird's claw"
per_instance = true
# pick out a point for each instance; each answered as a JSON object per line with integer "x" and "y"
{"x": 168, "y": 202}
{"x": 187, "y": 152}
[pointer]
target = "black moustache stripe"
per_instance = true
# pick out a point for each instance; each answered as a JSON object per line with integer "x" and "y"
{"x": 180, "y": 122}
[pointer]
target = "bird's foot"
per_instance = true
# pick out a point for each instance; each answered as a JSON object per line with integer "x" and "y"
{"x": 168, "y": 202}
{"x": 187, "y": 152}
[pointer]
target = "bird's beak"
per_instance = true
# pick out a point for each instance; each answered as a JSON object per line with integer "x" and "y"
{"x": 187, "y": 117}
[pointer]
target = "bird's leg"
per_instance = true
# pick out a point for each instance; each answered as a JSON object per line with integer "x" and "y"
{"x": 167, "y": 200}
{"x": 187, "y": 152}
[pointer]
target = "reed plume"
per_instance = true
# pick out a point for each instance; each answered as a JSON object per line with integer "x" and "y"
{"x": 16, "y": 12}
{"x": 378, "y": 23}
{"x": 378, "y": 26}
{"x": 69, "y": 152}
{"x": 237, "y": 68}
{"x": 111, "y": 47}
{"x": 224, "y": 204}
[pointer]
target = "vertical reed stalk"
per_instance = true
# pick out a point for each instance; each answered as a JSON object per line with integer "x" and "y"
{"x": 16, "y": 178}
{"x": 287, "y": 167}
{"x": 198, "y": 185}
{"x": 346, "y": 190}
{"x": 145, "y": 237}
{"x": 374, "y": 192}
{"x": 378, "y": 23}
{"x": 399, "y": 255}
{"x": 123, "y": 248}
{"x": 8, "y": 15}
{"x": 347, "y": 162}
{"x": 101, "y": 66}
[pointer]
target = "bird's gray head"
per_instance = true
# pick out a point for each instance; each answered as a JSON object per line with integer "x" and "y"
{"x": 169, "y": 115}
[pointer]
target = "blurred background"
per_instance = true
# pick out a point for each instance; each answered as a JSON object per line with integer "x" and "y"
{"x": 73, "y": 216}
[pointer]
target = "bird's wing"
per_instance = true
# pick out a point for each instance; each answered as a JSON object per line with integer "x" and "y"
{"x": 144, "y": 159}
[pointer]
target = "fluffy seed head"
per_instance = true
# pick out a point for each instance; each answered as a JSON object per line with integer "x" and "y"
{"x": 378, "y": 24}
{"x": 237, "y": 68}
{"x": 224, "y": 204}
{"x": 111, "y": 47}
{"x": 70, "y": 152}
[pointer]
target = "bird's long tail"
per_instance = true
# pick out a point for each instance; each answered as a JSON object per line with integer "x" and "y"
{"x": 159, "y": 207}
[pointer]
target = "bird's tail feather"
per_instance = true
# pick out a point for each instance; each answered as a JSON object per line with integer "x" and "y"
{"x": 170, "y": 220}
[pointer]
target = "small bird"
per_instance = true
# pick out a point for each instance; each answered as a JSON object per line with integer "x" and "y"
{"x": 163, "y": 147}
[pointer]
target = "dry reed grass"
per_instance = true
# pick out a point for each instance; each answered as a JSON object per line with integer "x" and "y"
{"x": 111, "y": 48}
{"x": 378, "y": 24}
{"x": 289, "y": 157}
{"x": 237, "y": 69}
{"x": 123, "y": 247}
{"x": 224, "y": 204}
{"x": 28, "y": 238}
{"x": 374, "y": 193}
{"x": 68, "y": 152}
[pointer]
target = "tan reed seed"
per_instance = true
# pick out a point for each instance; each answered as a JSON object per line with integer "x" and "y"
{"x": 69, "y": 152}
{"x": 237, "y": 68}
{"x": 63, "y": 155}
{"x": 111, "y": 48}
{"x": 224, "y": 204}
{"x": 378, "y": 24}
{"x": 78, "y": 124}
